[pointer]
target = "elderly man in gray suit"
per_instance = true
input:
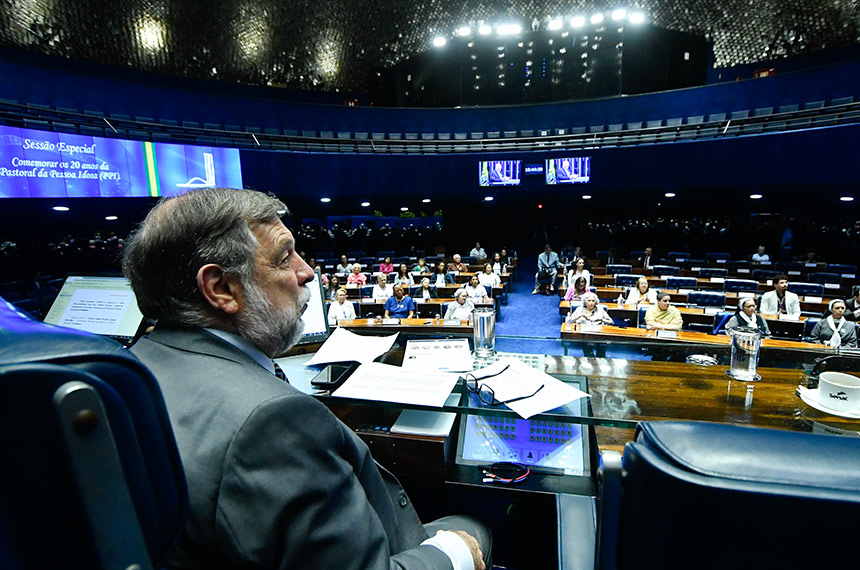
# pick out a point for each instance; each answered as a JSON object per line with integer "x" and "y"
{"x": 275, "y": 479}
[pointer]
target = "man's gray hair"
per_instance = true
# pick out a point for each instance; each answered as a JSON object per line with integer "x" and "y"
{"x": 182, "y": 234}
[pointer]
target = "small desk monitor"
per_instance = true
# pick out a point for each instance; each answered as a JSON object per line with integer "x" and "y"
{"x": 555, "y": 447}
{"x": 99, "y": 305}
{"x": 315, "y": 317}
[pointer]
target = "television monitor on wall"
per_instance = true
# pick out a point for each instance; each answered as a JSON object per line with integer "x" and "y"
{"x": 568, "y": 170}
{"x": 39, "y": 164}
{"x": 499, "y": 172}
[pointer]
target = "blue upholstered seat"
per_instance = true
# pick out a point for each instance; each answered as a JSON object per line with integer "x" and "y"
{"x": 687, "y": 484}
{"x": 614, "y": 268}
{"x": 92, "y": 476}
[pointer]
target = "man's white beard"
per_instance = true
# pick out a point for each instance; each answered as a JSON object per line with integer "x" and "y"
{"x": 274, "y": 331}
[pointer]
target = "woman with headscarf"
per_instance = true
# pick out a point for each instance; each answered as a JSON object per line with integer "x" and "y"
{"x": 663, "y": 316}
{"x": 835, "y": 330}
{"x": 746, "y": 317}
{"x": 590, "y": 312}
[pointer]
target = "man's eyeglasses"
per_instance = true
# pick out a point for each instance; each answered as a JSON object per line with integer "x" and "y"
{"x": 486, "y": 394}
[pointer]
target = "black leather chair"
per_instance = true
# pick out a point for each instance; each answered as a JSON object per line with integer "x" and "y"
{"x": 701, "y": 495}
{"x": 92, "y": 477}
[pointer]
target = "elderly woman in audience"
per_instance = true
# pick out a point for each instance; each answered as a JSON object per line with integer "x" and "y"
{"x": 476, "y": 291}
{"x": 641, "y": 294}
{"x": 590, "y": 312}
{"x": 426, "y": 291}
{"x": 357, "y": 277}
{"x": 746, "y": 317}
{"x": 488, "y": 278}
{"x": 578, "y": 270}
{"x": 382, "y": 290}
{"x": 835, "y": 330}
{"x": 577, "y": 289}
{"x": 462, "y": 306}
{"x": 340, "y": 308}
{"x": 403, "y": 276}
{"x": 663, "y": 316}
{"x": 441, "y": 277}
{"x": 386, "y": 266}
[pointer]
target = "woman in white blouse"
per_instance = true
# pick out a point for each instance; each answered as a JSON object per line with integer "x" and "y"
{"x": 403, "y": 276}
{"x": 578, "y": 270}
{"x": 590, "y": 312}
{"x": 382, "y": 290}
{"x": 340, "y": 308}
{"x": 461, "y": 308}
{"x": 489, "y": 279}
{"x": 642, "y": 294}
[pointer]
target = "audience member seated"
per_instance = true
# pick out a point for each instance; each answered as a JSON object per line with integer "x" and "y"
{"x": 461, "y": 307}
{"x": 382, "y": 290}
{"x": 340, "y": 308}
{"x": 478, "y": 252}
{"x": 489, "y": 279}
{"x": 852, "y": 305}
{"x": 426, "y": 291}
{"x": 547, "y": 266}
{"x": 498, "y": 266}
{"x": 386, "y": 266}
{"x": 745, "y": 317}
{"x": 780, "y": 300}
{"x": 835, "y": 330}
{"x": 642, "y": 294}
{"x": 331, "y": 289}
{"x": 575, "y": 292}
{"x": 344, "y": 267}
{"x": 421, "y": 267}
{"x": 458, "y": 265}
{"x": 476, "y": 291}
{"x": 275, "y": 480}
{"x": 647, "y": 259}
{"x": 399, "y": 306}
{"x": 760, "y": 256}
{"x": 569, "y": 255}
{"x": 441, "y": 277}
{"x": 403, "y": 276}
{"x": 504, "y": 258}
{"x": 576, "y": 271}
{"x": 357, "y": 277}
{"x": 589, "y": 312}
{"x": 663, "y": 316}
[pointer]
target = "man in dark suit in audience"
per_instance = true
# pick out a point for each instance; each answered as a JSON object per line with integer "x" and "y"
{"x": 275, "y": 479}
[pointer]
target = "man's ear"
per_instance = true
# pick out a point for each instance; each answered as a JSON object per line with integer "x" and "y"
{"x": 221, "y": 290}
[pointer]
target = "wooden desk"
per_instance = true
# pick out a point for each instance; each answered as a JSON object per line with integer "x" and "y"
{"x": 411, "y": 326}
{"x": 643, "y": 390}
{"x": 638, "y": 335}
{"x": 428, "y": 309}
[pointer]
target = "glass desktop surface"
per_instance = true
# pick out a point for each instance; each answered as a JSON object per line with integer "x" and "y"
{"x": 655, "y": 382}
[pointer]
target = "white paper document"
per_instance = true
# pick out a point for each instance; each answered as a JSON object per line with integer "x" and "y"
{"x": 445, "y": 355}
{"x": 346, "y": 346}
{"x": 519, "y": 379}
{"x": 421, "y": 422}
{"x": 386, "y": 383}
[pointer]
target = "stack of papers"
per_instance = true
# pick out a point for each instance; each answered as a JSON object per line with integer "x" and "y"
{"x": 345, "y": 346}
{"x": 445, "y": 355}
{"x": 386, "y": 383}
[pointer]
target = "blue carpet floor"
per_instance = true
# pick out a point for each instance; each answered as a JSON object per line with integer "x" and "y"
{"x": 531, "y": 324}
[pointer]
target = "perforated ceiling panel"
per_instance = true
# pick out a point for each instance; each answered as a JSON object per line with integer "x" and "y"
{"x": 339, "y": 44}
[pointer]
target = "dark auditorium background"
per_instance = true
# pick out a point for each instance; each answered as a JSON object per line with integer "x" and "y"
{"x": 709, "y": 101}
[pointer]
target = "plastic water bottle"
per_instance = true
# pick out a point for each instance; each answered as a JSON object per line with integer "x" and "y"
{"x": 620, "y": 299}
